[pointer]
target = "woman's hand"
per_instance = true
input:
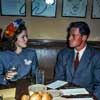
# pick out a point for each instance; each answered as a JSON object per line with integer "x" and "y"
{"x": 10, "y": 74}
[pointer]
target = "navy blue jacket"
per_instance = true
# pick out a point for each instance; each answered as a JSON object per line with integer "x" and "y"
{"x": 87, "y": 74}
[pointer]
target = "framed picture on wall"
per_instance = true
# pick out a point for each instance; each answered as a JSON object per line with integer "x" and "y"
{"x": 0, "y": 8}
{"x": 13, "y": 7}
{"x": 74, "y": 8}
{"x": 96, "y": 9}
{"x": 44, "y": 8}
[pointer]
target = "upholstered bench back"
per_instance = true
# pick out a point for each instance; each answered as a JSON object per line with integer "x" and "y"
{"x": 47, "y": 51}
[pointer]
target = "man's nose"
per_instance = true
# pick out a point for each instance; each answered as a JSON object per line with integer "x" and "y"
{"x": 70, "y": 37}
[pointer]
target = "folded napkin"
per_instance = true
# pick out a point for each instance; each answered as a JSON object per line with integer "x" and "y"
{"x": 12, "y": 98}
{"x": 8, "y": 93}
{"x": 56, "y": 84}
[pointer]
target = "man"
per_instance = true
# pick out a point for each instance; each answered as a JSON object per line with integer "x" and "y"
{"x": 85, "y": 72}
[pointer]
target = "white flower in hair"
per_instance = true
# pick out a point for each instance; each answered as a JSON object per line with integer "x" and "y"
{"x": 27, "y": 62}
{"x": 15, "y": 24}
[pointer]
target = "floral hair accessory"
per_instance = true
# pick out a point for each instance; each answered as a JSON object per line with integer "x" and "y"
{"x": 12, "y": 27}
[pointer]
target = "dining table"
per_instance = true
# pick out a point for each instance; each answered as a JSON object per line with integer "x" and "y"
{"x": 22, "y": 89}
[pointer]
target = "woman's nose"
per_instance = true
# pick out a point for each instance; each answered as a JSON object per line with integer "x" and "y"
{"x": 26, "y": 39}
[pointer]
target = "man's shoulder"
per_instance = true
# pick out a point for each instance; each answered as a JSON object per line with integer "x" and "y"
{"x": 66, "y": 50}
{"x": 93, "y": 50}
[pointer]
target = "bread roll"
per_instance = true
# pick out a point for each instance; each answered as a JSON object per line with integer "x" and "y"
{"x": 25, "y": 97}
{"x": 46, "y": 96}
{"x": 36, "y": 96}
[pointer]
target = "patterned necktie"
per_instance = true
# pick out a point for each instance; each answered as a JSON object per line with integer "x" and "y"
{"x": 76, "y": 62}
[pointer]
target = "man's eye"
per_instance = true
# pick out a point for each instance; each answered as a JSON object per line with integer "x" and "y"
{"x": 72, "y": 35}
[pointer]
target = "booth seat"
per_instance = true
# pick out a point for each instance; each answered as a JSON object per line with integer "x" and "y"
{"x": 47, "y": 51}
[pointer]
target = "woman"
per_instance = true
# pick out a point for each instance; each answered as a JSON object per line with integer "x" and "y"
{"x": 16, "y": 61}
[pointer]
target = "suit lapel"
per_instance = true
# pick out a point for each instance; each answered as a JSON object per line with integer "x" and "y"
{"x": 71, "y": 63}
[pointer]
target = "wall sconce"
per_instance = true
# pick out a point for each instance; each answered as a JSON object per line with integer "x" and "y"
{"x": 49, "y": 2}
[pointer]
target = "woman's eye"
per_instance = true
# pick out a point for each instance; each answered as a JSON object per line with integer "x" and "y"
{"x": 24, "y": 37}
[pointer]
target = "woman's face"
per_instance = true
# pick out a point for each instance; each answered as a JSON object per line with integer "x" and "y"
{"x": 22, "y": 39}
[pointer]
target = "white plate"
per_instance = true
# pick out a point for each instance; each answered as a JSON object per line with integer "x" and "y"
{"x": 61, "y": 98}
{"x": 75, "y": 91}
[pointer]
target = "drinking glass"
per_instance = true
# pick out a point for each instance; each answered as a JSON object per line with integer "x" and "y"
{"x": 13, "y": 69}
{"x": 40, "y": 77}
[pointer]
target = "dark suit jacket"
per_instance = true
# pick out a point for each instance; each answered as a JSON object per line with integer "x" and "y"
{"x": 87, "y": 74}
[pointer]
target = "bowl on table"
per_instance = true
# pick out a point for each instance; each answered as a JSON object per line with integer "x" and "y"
{"x": 36, "y": 88}
{"x": 54, "y": 92}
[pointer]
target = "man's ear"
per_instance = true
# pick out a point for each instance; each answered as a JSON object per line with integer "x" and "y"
{"x": 84, "y": 37}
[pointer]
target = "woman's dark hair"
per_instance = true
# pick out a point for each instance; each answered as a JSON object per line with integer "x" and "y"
{"x": 83, "y": 27}
{"x": 8, "y": 43}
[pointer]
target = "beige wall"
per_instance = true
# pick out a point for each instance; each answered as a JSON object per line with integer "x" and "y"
{"x": 53, "y": 28}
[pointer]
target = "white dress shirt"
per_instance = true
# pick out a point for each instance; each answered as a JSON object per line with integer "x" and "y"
{"x": 80, "y": 52}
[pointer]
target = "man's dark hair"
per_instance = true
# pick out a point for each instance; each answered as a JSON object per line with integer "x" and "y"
{"x": 83, "y": 27}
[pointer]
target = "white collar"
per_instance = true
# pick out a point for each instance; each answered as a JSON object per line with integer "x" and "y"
{"x": 80, "y": 52}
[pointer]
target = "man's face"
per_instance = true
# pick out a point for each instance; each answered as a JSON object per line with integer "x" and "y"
{"x": 75, "y": 38}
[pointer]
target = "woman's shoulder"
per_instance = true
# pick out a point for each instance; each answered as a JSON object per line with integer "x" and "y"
{"x": 29, "y": 50}
{"x": 2, "y": 53}
{"x": 5, "y": 54}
